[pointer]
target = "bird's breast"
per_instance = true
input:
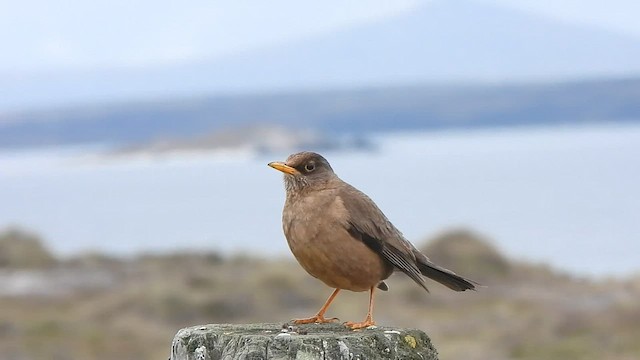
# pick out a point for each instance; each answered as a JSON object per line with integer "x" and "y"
{"x": 315, "y": 228}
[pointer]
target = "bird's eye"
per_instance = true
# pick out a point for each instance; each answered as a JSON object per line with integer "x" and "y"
{"x": 310, "y": 167}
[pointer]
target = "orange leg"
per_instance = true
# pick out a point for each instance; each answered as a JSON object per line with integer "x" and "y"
{"x": 319, "y": 317}
{"x": 369, "y": 320}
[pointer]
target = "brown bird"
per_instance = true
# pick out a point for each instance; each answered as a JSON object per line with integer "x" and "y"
{"x": 339, "y": 236}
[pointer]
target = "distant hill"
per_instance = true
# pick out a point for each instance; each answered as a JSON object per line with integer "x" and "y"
{"x": 443, "y": 41}
{"x": 356, "y": 111}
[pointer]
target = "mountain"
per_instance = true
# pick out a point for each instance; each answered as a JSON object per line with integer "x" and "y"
{"x": 343, "y": 112}
{"x": 459, "y": 41}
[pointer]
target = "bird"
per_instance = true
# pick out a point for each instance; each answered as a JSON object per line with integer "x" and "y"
{"x": 340, "y": 236}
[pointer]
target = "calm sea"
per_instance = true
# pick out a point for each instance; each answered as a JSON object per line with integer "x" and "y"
{"x": 566, "y": 196}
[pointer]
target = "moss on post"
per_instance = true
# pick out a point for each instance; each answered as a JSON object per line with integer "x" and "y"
{"x": 313, "y": 341}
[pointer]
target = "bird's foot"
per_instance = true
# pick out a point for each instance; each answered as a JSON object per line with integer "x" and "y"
{"x": 317, "y": 319}
{"x": 361, "y": 325}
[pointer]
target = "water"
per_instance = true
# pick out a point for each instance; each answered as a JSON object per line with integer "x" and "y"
{"x": 566, "y": 196}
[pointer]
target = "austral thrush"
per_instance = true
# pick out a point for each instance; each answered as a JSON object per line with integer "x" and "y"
{"x": 339, "y": 236}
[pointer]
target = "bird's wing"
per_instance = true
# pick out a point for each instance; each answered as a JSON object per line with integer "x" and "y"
{"x": 368, "y": 224}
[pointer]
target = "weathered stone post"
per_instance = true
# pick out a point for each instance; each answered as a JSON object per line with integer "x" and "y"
{"x": 313, "y": 341}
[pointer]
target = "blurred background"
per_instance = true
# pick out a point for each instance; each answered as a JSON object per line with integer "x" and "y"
{"x": 501, "y": 136}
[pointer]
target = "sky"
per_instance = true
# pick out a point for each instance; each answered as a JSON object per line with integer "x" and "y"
{"x": 49, "y": 35}
{"x": 44, "y": 34}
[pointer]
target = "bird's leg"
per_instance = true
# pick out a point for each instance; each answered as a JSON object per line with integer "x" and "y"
{"x": 319, "y": 317}
{"x": 369, "y": 320}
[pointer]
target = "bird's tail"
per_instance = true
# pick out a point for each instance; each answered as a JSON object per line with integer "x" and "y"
{"x": 444, "y": 276}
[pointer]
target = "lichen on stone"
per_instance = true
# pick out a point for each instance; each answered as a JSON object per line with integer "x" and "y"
{"x": 411, "y": 341}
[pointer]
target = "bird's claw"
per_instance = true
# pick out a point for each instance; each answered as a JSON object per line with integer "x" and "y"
{"x": 360, "y": 325}
{"x": 318, "y": 319}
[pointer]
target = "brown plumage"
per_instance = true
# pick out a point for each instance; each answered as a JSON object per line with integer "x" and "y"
{"x": 339, "y": 235}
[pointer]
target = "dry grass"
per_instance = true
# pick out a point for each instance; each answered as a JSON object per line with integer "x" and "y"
{"x": 526, "y": 312}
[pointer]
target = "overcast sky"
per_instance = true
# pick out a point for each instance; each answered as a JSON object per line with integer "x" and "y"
{"x": 41, "y": 35}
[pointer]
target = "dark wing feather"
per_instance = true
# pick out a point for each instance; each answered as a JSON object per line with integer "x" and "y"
{"x": 368, "y": 224}
{"x": 444, "y": 276}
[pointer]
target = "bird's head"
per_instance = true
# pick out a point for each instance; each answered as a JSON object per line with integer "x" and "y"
{"x": 304, "y": 171}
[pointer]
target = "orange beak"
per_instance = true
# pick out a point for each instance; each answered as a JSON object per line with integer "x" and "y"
{"x": 284, "y": 168}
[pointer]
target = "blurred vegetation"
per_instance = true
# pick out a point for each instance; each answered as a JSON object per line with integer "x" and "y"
{"x": 468, "y": 253}
{"x": 21, "y": 249}
{"x": 115, "y": 308}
